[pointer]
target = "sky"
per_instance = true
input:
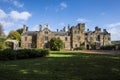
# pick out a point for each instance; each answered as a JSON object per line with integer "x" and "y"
{"x": 59, "y": 13}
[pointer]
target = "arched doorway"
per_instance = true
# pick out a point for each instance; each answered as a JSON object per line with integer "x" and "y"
{"x": 88, "y": 47}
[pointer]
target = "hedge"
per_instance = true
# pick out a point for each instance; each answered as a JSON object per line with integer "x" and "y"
{"x": 108, "y": 47}
{"x": 9, "y": 54}
{"x": 80, "y": 48}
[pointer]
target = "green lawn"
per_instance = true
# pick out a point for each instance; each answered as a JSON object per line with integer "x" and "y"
{"x": 63, "y": 66}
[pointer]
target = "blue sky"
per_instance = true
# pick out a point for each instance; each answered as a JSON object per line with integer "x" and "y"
{"x": 60, "y": 13}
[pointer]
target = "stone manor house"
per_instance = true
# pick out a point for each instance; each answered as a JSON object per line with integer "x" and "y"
{"x": 73, "y": 37}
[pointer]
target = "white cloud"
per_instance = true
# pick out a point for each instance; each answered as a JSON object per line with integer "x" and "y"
{"x": 61, "y": 24}
{"x": 114, "y": 29}
{"x": 19, "y": 15}
{"x": 2, "y": 14}
{"x": 35, "y": 28}
{"x": 18, "y": 4}
{"x": 115, "y": 33}
{"x": 63, "y": 5}
{"x": 14, "y": 2}
{"x": 6, "y": 23}
{"x": 114, "y": 24}
{"x": 82, "y": 20}
{"x": 13, "y": 19}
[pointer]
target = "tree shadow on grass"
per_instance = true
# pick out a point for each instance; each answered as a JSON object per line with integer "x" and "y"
{"x": 76, "y": 66}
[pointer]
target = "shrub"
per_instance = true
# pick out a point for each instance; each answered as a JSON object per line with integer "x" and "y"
{"x": 118, "y": 47}
{"x": 2, "y": 44}
{"x": 31, "y": 53}
{"x": 56, "y": 44}
{"x": 80, "y": 48}
{"x": 108, "y": 47}
{"x": 9, "y": 54}
{"x": 45, "y": 52}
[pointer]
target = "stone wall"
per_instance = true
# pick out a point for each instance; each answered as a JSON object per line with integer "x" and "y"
{"x": 74, "y": 37}
{"x": 26, "y": 41}
{"x": 77, "y": 36}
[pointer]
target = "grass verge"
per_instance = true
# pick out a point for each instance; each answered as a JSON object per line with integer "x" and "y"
{"x": 63, "y": 66}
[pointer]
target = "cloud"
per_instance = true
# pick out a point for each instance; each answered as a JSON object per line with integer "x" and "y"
{"x": 14, "y": 2}
{"x": 114, "y": 29}
{"x": 63, "y": 5}
{"x": 114, "y": 33}
{"x": 19, "y": 15}
{"x": 114, "y": 24}
{"x": 17, "y": 4}
{"x": 13, "y": 19}
{"x": 82, "y": 20}
{"x": 61, "y": 24}
{"x": 2, "y": 14}
{"x": 6, "y": 23}
{"x": 35, "y": 28}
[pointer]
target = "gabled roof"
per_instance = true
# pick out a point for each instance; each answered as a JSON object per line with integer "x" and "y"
{"x": 60, "y": 33}
{"x": 29, "y": 33}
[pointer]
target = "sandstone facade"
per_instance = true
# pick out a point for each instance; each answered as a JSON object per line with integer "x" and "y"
{"x": 74, "y": 37}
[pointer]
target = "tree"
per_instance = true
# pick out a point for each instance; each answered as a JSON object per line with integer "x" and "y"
{"x": 2, "y": 44}
{"x": 1, "y": 29}
{"x": 20, "y": 30}
{"x": 92, "y": 43}
{"x": 14, "y": 35}
{"x": 56, "y": 44}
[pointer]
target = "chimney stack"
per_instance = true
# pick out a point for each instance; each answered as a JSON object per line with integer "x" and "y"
{"x": 40, "y": 27}
{"x": 68, "y": 27}
{"x": 104, "y": 30}
{"x": 64, "y": 29}
{"x": 87, "y": 29}
{"x": 57, "y": 30}
{"x": 96, "y": 28}
{"x": 24, "y": 28}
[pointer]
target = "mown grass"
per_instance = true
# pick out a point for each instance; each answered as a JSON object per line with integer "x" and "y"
{"x": 63, "y": 66}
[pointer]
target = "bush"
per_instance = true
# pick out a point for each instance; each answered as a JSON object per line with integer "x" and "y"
{"x": 9, "y": 54}
{"x": 2, "y": 44}
{"x": 56, "y": 44}
{"x": 118, "y": 47}
{"x": 108, "y": 47}
{"x": 80, "y": 48}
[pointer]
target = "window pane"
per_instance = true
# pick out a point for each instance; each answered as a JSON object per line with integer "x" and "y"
{"x": 65, "y": 38}
{"x": 25, "y": 38}
{"x": 46, "y": 38}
